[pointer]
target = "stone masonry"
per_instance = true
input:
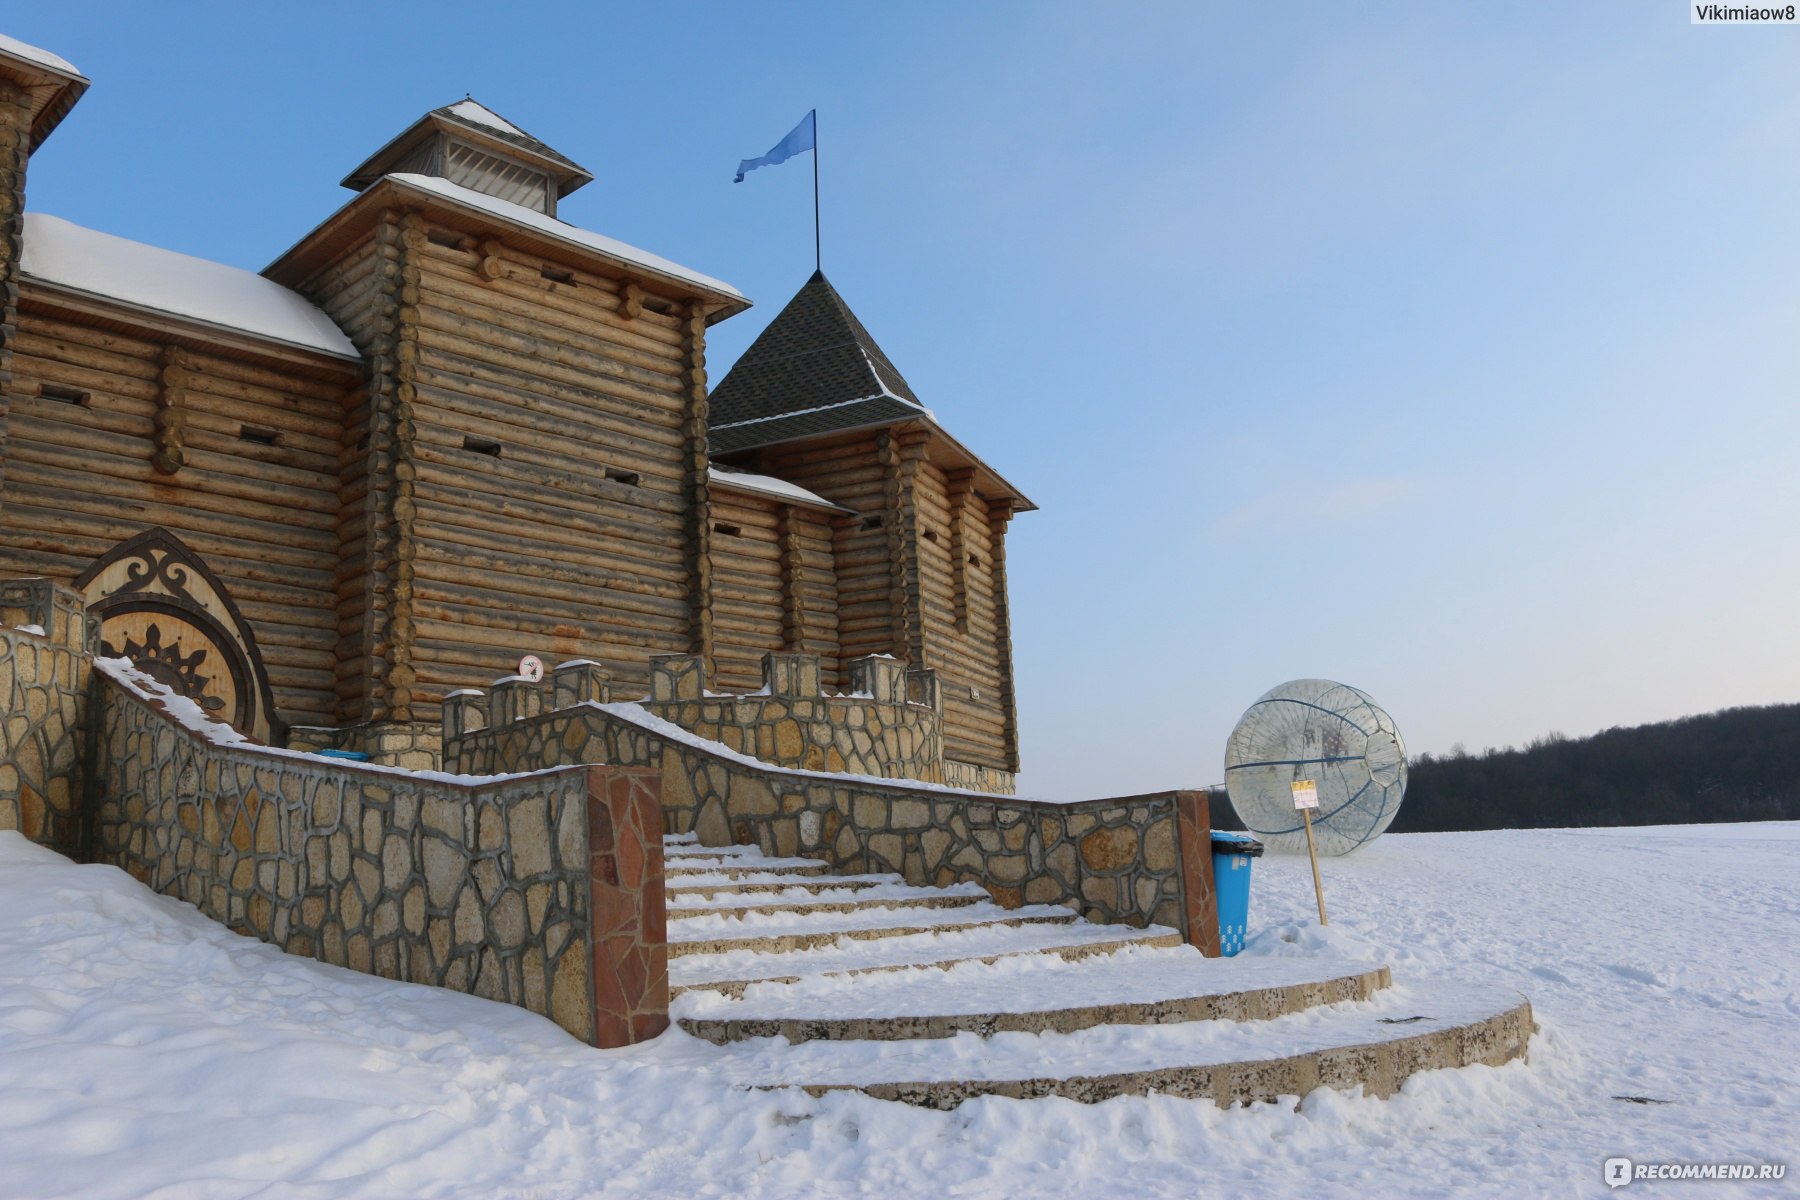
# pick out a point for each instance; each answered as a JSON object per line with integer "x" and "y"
{"x": 1133, "y": 860}
{"x": 544, "y": 891}
{"x": 43, "y": 710}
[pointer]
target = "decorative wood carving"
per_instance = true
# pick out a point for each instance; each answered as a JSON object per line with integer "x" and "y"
{"x": 161, "y": 607}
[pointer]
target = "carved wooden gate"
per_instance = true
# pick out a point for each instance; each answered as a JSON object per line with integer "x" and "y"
{"x": 161, "y": 607}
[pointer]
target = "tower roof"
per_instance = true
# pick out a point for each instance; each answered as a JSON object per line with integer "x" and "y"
{"x": 814, "y": 370}
{"x": 472, "y": 145}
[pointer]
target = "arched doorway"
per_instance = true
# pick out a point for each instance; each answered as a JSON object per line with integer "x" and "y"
{"x": 161, "y": 607}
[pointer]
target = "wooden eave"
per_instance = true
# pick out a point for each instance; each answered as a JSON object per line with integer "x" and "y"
{"x": 53, "y": 92}
{"x": 947, "y": 451}
{"x": 944, "y": 450}
{"x": 567, "y": 174}
{"x": 342, "y": 230}
{"x": 119, "y": 316}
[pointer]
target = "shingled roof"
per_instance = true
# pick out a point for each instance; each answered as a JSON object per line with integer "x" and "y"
{"x": 814, "y": 370}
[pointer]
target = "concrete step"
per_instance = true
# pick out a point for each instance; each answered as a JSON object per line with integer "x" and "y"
{"x": 755, "y": 883}
{"x": 716, "y": 933}
{"x": 1029, "y": 994}
{"x": 876, "y": 896}
{"x": 690, "y": 868}
{"x": 787, "y": 976}
{"x": 730, "y": 974}
{"x": 1376, "y": 1045}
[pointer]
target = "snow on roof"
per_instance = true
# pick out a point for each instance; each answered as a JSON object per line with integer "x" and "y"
{"x": 37, "y": 57}
{"x": 85, "y": 260}
{"x": 480, "y": 114}
{"x": 563, "y": 231}
{"x": 767, "y": 485}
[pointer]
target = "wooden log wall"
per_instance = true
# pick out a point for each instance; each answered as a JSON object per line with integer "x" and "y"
{"x": 97, "y": 405}
{"x": 962, "y": 614}
{"x": 774, "y": 587}
{"x": 556, "y": 492}
{"x": 15, "y": 151}
{"x": 361, "y": 292}
{"x": 849, "y": 471}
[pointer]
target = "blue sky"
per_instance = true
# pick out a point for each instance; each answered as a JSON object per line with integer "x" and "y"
{"x": 1451, "y": 351}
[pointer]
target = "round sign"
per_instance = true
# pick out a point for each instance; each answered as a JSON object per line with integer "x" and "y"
{"x": 531, "y": 667}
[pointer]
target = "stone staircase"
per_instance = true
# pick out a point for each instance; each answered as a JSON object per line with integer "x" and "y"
{"x": 790, "y": 976}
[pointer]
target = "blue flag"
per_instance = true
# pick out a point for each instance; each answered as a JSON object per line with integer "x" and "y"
{"x": 801, "y": 138}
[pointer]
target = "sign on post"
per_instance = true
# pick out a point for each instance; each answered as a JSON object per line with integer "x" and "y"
{"x": 1306, "y": 798}
{"x": 531, "y": 668}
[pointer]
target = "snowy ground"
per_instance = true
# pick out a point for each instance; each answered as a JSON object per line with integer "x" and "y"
{"x": 146, "y": 1052}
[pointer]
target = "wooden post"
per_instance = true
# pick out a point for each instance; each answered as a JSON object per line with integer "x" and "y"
{"x": 1312, "y": 852}
{"x": 1306, "y": 798}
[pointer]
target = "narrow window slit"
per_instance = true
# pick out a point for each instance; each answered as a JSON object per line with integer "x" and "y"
{"x": 485, "y": 446}
{"x": 728, "y": 530}
{"x": 258, "y": 434}
{"x": 628, "y": 478}
{"x": 872, "y": 523}
{"x": 557, "y": 275}
{"x": 66, "y": 394}
{"x": 446, "y": 237}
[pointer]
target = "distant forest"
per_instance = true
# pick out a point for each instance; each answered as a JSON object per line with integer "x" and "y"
{"x": 1740, "y": 764}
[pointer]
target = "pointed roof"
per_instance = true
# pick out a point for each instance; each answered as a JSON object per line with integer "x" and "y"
{"x": 814, "y": 370}
{"x": 472, "y": 119}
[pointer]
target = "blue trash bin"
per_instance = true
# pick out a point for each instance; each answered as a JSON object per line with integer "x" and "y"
{"x": 1232, "y": 853}
{"x": 347, "y": 755}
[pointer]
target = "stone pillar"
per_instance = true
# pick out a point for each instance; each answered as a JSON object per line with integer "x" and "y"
{"x": 514, "y": 699}
{"x": 922, "y": 688}
{"x": 1199, "y": 899}
{"x": 627, "y": 912}
{"x": 464, "y": 712}
{"x": 578, "y": 682}
{"x": 880, "y": 677}
{"x": 677, "y": 677}
{"x": 791, "y": 675}
{"x": 59, "y": 611}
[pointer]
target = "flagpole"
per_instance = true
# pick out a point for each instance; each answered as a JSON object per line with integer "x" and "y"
{"x": 818, "y": 258}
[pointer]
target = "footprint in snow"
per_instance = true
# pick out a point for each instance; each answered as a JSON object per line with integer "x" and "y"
{"x": 1635, "y": 974}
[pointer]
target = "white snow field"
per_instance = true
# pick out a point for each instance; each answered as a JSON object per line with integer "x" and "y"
{"x": 146, "y": 1052}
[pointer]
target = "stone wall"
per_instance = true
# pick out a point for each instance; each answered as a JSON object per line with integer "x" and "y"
{"x": 43, "y": 711}
{"x": 889, "y": 725}
{"x": 974, "y": 778}
{"x": 543, "y": 891}
{"x": 1133, "y": 860}
{"x": 410, "y": 745}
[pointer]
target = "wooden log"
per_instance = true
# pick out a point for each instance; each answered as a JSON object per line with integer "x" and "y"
{"x": 644, "y": 414}
{"x": 594, "y": 516}
{"x": 483, "y": 340}
{"x": 588, "y": 312}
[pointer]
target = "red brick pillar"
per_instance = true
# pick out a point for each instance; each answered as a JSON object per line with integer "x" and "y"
{"x": 1200, "y": 902}
{"x": 628, "y": 937}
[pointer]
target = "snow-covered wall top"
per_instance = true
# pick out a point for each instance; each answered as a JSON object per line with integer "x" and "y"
{"x": 67, "y": 255}
{"x": 563, "y": 231}
{"x": 767, "y": 485}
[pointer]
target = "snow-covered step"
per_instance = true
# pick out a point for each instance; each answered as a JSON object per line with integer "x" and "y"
{"x": 728, "y": 856}
{"x": 770, "y": 881}
{"x": 1030, "y": 994}
{"x": 876, "y": 896}
{"x": 716, "y": 933}
{"x": 1376, "y": 1044}
{"x": 689, "y": 868}
{"x": 731, "y": 973}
